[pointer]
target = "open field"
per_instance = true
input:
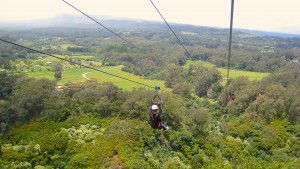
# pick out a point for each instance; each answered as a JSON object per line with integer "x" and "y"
{"x": 75, "y": 75}
{"x": 124, "y": 84}
{"x": 79, "y": 57}
{"x": 232, "y": 73}
{"x": 44, "y": 74}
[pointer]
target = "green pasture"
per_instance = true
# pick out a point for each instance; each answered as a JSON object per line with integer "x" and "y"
{"x": 44, "y": 74}
{"x": 205, "y": 64}
{"x": 69, "y": 76}
{"x": 233, "y": 74}
{"x": 75, "y": 75}
{"x": 121, "y": 83}
{"x": 79, "y": 57}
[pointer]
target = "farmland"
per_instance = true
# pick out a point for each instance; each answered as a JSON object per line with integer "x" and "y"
{"x": 233, "y": 74}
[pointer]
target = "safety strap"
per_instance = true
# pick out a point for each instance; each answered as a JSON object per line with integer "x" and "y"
{"x": 157, "y": 88}
{"x": 156, "y": 96}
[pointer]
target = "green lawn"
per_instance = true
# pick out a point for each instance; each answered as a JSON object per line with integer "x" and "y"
{"x": 232, "y": 73}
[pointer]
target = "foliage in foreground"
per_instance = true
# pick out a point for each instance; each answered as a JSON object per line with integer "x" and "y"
{"x": 92, "y": 125}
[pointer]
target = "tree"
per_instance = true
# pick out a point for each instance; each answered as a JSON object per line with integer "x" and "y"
{"x": 198, "y": 120}
{"x": 294, "y": 111}
{"x": 183, "y": 89}
{"x": 28, "y": 98}
{"x": 57, "y": 75}
{"x": 173, "y": 109}
{"x": 173, "y": 75}
{"x": 58, "y": 69}
{"x": 205, "y": 79}
{"x": 7, "y": 83}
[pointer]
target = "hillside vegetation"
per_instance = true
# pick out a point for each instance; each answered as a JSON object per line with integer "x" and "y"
{"x": 77, "y": 127}
{"x": 52, "y": 116}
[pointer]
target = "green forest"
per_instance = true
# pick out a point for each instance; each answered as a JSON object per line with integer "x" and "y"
{"x": 53, "y": 117}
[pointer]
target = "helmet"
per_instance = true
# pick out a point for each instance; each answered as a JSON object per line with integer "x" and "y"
{"x": 154, "y": 107}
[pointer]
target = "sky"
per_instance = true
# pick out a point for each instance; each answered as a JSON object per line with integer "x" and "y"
{"x": 266, "y": 15}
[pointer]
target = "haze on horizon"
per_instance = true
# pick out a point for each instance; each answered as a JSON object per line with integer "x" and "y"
{"x": 267, "y": 15}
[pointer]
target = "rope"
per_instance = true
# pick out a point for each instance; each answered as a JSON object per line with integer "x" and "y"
{"x": 171, "y": 29}
{"x": 175, "y": 35}
{"x": 75, "y": 63}
{"x": 230, "y": 40}
{"x": 100, "y": 24}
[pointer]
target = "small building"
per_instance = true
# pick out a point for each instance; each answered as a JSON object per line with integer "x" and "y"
{"x": 48, "y": 63}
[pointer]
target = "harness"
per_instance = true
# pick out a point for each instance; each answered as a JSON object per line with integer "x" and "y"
{"x": 156, "y": 100}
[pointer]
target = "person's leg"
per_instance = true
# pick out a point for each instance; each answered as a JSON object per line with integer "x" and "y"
{"x": 164, "y": 127}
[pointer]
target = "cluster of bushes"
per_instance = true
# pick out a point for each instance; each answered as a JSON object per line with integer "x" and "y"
{"x": 196, "y": 79}
{"x": 276, "y": 96}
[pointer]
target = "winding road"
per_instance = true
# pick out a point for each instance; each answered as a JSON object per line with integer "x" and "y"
{"x": 84, "y": 75}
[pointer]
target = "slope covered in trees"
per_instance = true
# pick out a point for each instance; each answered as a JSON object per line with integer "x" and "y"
{"x": 75, "y": 127}
{"x": 246, "y": 124}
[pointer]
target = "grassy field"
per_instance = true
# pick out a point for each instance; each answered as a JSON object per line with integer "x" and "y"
{"x": 52, "y": 59}
{"x": 205, "y": 64}
{"x": 44, "y": 74}
{"x": 238, "y": 73}
{"x": 232, "y": 73}
{"x": 74, "y": 75}
{"x": 124, "y": 84}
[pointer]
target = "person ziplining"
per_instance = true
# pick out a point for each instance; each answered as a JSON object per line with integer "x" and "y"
{"x": 155, "y": 112}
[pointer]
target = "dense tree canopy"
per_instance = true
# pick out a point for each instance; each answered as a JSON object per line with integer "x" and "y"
{"x": 242, "y": 124}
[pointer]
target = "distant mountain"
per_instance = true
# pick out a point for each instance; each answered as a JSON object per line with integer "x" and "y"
{"x": 265, "y": 33}
{"x": 67, "y": 20}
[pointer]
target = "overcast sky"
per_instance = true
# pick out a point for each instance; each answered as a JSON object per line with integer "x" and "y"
{"x": 268, "y": 15}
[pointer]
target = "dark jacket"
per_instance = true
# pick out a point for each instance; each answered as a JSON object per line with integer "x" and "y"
{"x": 155, "y": 117}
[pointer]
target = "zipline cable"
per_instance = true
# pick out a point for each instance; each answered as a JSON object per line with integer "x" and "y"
{"x": 175, "y": 35}
{"x": 76, "y": 63}
{"x": 100, "y": 24}
{"x": 230, "y": 40}
{"x": 171, "y": 29}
